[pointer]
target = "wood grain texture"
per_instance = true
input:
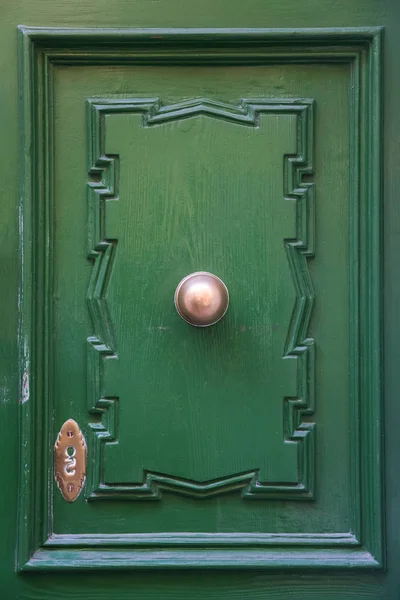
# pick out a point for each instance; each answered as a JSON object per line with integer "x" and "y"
{"x": 255, "y": 13}
{"x": 214, "y": 585}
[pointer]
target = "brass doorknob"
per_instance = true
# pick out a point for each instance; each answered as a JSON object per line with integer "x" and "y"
{"x": 201, "y": 299}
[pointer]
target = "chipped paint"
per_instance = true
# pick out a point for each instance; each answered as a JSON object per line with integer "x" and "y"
{"x": 25, "y": 356}
{"x": 25, "y": 391}
{"x": 25, "y": 384}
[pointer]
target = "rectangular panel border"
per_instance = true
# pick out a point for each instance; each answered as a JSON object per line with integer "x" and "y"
{"x": 101, "y": 344}
{"x": 40, "y": 49}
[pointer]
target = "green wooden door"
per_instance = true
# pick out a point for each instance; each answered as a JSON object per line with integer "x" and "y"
{"x": 144, "y": 457}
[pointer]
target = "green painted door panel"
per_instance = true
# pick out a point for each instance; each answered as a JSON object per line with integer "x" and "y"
{"x": 238, "y": 397}
{"x": 255, "y": 458}
{"x": 242, "y": 441}
{"x": 197, "y": 199}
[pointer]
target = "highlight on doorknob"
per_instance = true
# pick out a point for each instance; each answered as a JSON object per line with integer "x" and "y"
{"x": 201, "y": 299}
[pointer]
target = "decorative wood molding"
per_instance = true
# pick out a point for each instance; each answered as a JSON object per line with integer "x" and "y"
{"x": 102, "y": 186}
{"x": 42, "y": 49}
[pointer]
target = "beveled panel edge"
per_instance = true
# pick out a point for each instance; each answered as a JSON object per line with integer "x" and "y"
{"x": 256, "y": 558}
{"x": 302, "y": 35}
{"x": 199, "y": 539}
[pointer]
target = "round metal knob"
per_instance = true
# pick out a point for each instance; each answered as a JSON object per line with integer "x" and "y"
{"x": 201, "y": 299}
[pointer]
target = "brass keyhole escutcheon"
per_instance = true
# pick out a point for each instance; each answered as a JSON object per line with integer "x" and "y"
{"x": 70, "y": 460}
{"x": 201, "y": 299}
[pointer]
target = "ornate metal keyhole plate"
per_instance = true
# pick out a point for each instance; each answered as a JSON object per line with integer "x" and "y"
{"x": 70, "y": 460}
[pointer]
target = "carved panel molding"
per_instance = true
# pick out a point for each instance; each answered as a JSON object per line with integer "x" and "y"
{"x": 103, "y": 185}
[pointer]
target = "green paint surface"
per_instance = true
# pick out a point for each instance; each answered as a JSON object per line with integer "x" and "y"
{"x": 255, "y": 445}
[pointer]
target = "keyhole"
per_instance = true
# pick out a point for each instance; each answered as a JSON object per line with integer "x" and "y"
{"x": 70, "y": 461}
